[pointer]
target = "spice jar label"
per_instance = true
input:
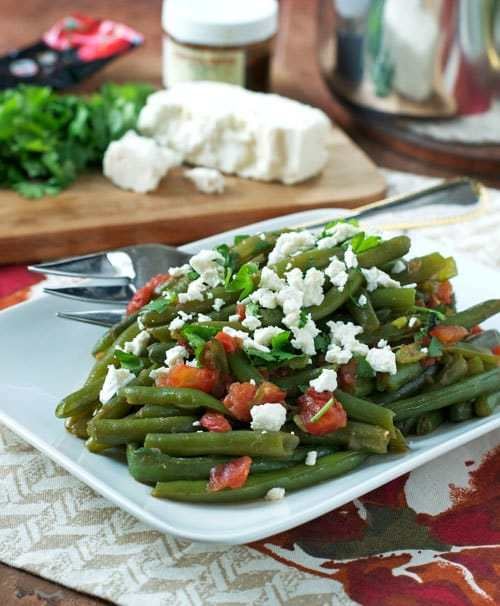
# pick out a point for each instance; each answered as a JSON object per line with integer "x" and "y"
{"x": 185, "y": 63}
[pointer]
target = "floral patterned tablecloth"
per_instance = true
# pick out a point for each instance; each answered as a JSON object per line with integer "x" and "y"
{"x": 431, "y": 537}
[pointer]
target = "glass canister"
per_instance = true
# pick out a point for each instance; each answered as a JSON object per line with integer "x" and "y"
{"x": 221, "y": 40}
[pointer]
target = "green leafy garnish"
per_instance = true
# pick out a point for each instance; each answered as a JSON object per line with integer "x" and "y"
{"x": 48, "y": 139}
{"x": 197, "y": 336}
{"x": 244, "y": 281}
{"x": 321, "y": 342}
{"x": 426, "y": 310}
{"x": 322, "y": 411}
{"x": 435, "y": 349}
{"x": 159, "y": 304}
{"x": 303, "y": 318}
{"x": 239, "y": 238}
{"x": 129, "y": 361}
{"x": 363, "y": 369}
{"x": 279, "y": 350}
{"x": 332, "y": 224}
{"x": 361, "y": 242}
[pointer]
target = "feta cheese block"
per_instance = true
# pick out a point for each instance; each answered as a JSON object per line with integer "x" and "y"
{"x": 138, "y": 163}
{"x": 206, "y": 180}
{"x": 253, "y": 135}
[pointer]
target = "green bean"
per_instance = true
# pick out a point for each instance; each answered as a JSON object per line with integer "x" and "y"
{"x": 334, "y": 298}
{"x": 397, "y": 443}
{"x": 257, "y": 486}
{"x": 275, "y": 444}
{"x": 407, "y": 426}
{"x": 180, "y": 397}
{"x": 468, "y": 351}
{"x": 453, "y": 371}
{"x": 474, "y": 315}
{"x": 423, "y": 268}
{"x": 214, "y": 356}
{"x": 293, "y": 382}
{"x": 485, "y": 405}
{"x": 469, "y": 388}
{"x": 242, "y": 369}
{"x": 83, "y": 400}
{"x": 364, "y": 315}
{"x": 461, "y": 411}
{"x": 386, "y": 251}
{"x": 157, "y": 351}
{"x": 485, "y": 341}
{"x": 121, "y": 431}
{"x": 354, "y": 436}
{"x": 404, "y": 374}
{"x": 109, "y": 337}
{"x": 363, "y": 387}
{"x": 429, "y": 421}
{"x": 224, "y": 313}
{"x": 77, "y": 425}
{"x": 154, "y": 410}
{"x": 253, "y": 245}
{"x": 365, "y": 411}
{"x": 148, "y": 465}
{"x": 316, "y": 257}
{"x": 408, "y": 389}
{"x": 389, "y": 333}
{"x": 448, "y": 271}
{"x": 161, "y": 333}
{"x": 396, "y": 299}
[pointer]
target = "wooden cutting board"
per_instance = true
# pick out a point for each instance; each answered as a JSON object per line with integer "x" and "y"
{"x": 94, "y": 215}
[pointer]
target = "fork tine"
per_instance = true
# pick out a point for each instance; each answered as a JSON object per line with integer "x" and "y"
{"x": 98, "y": 318}
{"x": 119, "y": 293}
{"x": 112, "y": 264}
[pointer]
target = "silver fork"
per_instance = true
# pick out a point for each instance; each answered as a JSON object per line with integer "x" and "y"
{"x": 126, "y": 269}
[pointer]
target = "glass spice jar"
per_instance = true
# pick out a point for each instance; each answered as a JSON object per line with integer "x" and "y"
{"x": 220, "y": 40}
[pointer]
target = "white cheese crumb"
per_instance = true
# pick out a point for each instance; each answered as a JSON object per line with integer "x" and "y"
{"x": 311, "y": 457}
{"x": 375, "y": 277}
{"x": 234, "y": 318}
{"x": 251, "y": 322}
{"x": 140, "y": 323}
{"x": 304, "y": 337}
{"x": 218, "y": 304}
{"x": 176, "y": 324}
{"x": 412, "y": 321}
{"x": 265, "y": 298}
{"x": 309, "y": 284}
{"x": 193, "y": 363}
{"x": 263, "y": 336}
{"x": 337, "y": 234}
{"x": 337, "y": 355}
{"x": 337, "y": 273}
{"x": 252, "y": 382}
{"x": 270, "y": 279}
{"x": 362, "y": 300}
{"x": 268, "y": 417}
{"x": 350, "y": 259}
{"x": 382, "y": 343}
{"x": 138, "y": 343}
{"x": 210, "y": 295}
{"x": 203, "y": 318}
{"x": 382, "y": 360}
{"x": 175, "y": 355}
{"x": 177, "y": 272}
{"x": 275, "y": 494}
{"x": 289, "y": 243}
{"x": 398, "y": 267}
{"x": 327, "y": 381}
{"x": 208, "y": 264}
{"x": 424, "y": 350}
{"x": 206, "y": 180}
{"x": 196, "y": 424}
{"x": 262, "y": 236}
{"x": 158, "y": 372}
{"x": 195, "y": 291}
{"x": 290, "y": 299}
{"x": 115, "y": 379}
{"x": 137, "y": 163}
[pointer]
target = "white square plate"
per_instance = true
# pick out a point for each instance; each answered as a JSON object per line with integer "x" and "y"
{"x": 43, "y": 358}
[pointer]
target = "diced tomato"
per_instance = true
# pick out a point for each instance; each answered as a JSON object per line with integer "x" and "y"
{"x": 232, "y": 474}
{"x": 347, "y": 375}
{"x": 311, "y": 403}
{"x": 214, "y": 421}
{"x": 239, "y": 400}
{"x": 230, "y": 344}
{"x": 449, "y": 334}
{"x": 427, "y": 362}
{"x": 476, "y": 330}
{"x": 146, "y": 293}
{"x": 426, "y": 340}
{"x": 495, "y": 350}
{"x": 241, "y": 311}
{"x": 183, "y": 375}
{"x": 268, "y": 392}
{"x": 444, "y": 292}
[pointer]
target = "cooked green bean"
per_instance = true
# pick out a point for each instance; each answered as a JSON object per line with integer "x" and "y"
{"x": 334, "y": 298}
{"x": 150, "y": 411}
{"x": 423, "y": 268}
{"x": 474, "y": 315}
{"x": 396, "y": 299}
{"x": 276, "y": 444}
{"x": 365, "y": 411}
{"x": 469, "y": 388}
{"x": 407, "y": 426}
{"x": 83, "y": 400}
{"x": 485, "y": 405}
{"x": 122, "y": 431}
{"x": 354, "y": 436}
{"x": 242, "y": 369}
{"x": 180, "y": 397}
{"x": 408, "y": 389}
{"x": 386, "y": 251}
{"x": 453, "y": 371}
{"x": 157, "y": 351}
{"x": 318, "y": 258}
{"x": 257, "y": 486}
{"x": 77, "y": 425}
{"x": 475, "y": 366}
{"x": 397, "y": 443}
{"x": 293, "y": 382}
{"x": 364, "y": 315}
{"x": 109, "y": 337}
{"x": 462, "y": 411}
{"x": 404, "y": 374}
{"x": 429, "y": 421}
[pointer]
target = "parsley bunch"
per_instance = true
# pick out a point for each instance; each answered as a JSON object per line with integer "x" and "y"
{"x": 47, "y": 139}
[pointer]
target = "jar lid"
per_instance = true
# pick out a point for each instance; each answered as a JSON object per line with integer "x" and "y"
{"x": 220, "y": 22}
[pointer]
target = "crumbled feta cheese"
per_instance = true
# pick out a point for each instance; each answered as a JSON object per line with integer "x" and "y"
{"x": 350, "y": 259}
{"x": 203, "y": 318}
{"x": 382, "y": 343}
{"x": 337, "y": 355}
{"x": 251, "y": 322}
{"x": 137, "y": 163}
{"x": 343, "y": 335}
{"x": 382, "y": 360}
{"x": 175, "y": 355}
{"x": 210, "y": 295}
{"x": 424, "y": 350}
{"x": 412, "y": 321}
{"x": 337, "y": 273}
{"x": 234, "y": 318}
{"x": 252, "y": 382}
{"x": 290, "y": 299}
{"x": 263, "y": 336}
{"x": 138, "y": 343}
{"x": 310, "y": 285}
{"x": 398, "y": 267}
{"x": 362, "y": 300}
{"x": 311, "y": 457}
{"x": 208, "y": 264}
{"x": 337, "y": 234}
{"x": 236, "y": 334}
{"x": 218, "y": 304}
{"x": 304, "y": 337}
{"x": 206, "y": 180}
{"x": 327, "y": 381}
{"x": 176, "y": 324}
{"x": 195, "y": 291}
{"x": 275, "y": 494}
{"x": 193, "y": 363}
{"x": 265, "y": 298}
{"x": 158, "y": 372}
{"x": 270, "y": 279}
{"x": 140, "y": 323}
{"x": 375, "y": 277}
{"x": 268, "y": 417}
{"x": 262, "y": 236}
{"x": 289, "y": 243}
{"x": 115, "y": 379}
{"x": 196, "y": 424}
{"x": 178, "y": 272}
